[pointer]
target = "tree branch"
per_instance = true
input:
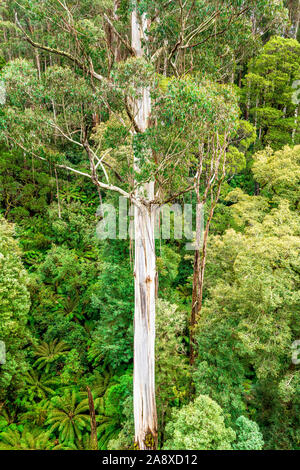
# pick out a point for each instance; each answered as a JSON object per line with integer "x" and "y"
{"x": 109, "y": 187}
{"x": 175, "y": 196}
{"x": 231, "y": 19}
{"x": 52, "y": 50}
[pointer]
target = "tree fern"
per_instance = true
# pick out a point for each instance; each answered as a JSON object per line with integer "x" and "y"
{"x": 102, "y": 380}
{"x": 69, "y": 417}
{"x": 108, "y": 422}
{"x": 38, "y": 385}
{"x": 36, "y": 414}
{"x": 28, "y": 439}
{"x": 48, "y": 353}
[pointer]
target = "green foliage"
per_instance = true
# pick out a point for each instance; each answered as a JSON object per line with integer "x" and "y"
{"x": 66, "y": 297}
{"x": 48, "y": 353}
{"x": 38, "y": 386}
{"x": 268, "y": 92}
{"x": 199, "y": 425}
{"x": 113, "y": 299}
{"x": 132, "y": 75}
{"x": 111, "y": 410}
{"x": 249, "y": 436}
{"x": 28, "y": 439}
{"x": 278, "y": 174}
{"x": 213, "y": 110}
{"x": 172, "y": 374}
{"x": 68, "y": 418}
{"x": 248, "y": 321}
{"x": 36, "y": 413}
{"x": 14, "y": 308}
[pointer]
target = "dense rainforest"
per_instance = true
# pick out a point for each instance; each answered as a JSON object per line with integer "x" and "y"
{"x": 139, "y": 342}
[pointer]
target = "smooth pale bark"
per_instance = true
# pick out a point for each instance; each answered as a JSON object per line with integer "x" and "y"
{"x": 145, "y": 417}
{"x": 295, "y": 124}
{"x": 144, "y": 329}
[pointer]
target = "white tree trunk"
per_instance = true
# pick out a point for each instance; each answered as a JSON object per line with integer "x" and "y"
{"x": 145, "y": 417}
{"x": 295, "y": 124}
{"x": 144, "y": 328}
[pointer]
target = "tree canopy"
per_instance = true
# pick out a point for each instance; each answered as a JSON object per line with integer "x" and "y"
{"x": 142, "y": 342}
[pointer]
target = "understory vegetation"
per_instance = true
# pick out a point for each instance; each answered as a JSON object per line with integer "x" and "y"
{"x": 227, "y": 377}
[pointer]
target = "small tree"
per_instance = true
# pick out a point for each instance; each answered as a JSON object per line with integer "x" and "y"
{"x": 199, "y": 426}
{"x": 249, "y": 436}
{"x": 268, "y": 93}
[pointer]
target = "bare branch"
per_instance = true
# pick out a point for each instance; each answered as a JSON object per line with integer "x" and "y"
{"x": 219, "y": 33}
{"x": 109, "y": 187}
{"x": 175, "y": 196}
